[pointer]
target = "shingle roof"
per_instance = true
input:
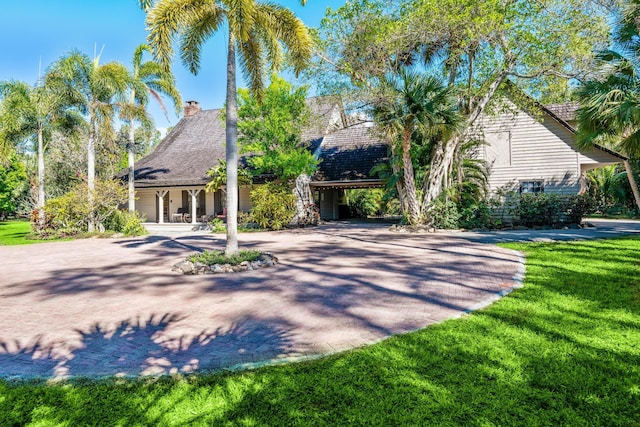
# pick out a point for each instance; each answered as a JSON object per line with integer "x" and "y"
{"x": 565, "y": 111}
{"x": 326, "y": 115}
{"x": 349, "y": 154}
{"x": 197, "y": 142}
{"x": 185, "y": 155}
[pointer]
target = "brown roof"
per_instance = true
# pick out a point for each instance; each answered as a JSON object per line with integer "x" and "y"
{"x": 185, "y": 155}
{"x": 349, "y": 154}
{"x": 565, "y": 111}
{"x": 197, "y": 142}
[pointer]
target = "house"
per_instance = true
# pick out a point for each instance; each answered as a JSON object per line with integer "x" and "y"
{"x": 170, "y": 181}
{"x": 526, "y": 151}
{"x": 533, "y": 152}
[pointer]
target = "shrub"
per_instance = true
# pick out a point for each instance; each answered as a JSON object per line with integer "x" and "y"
{"x": 69, "y": 213}
{"x": 273, "y": 206}
{"x": 365, "y": 202}
{"x": 549, "y": 209}
{"x": 445, "y": 214}
{"x": 477, "y": 215}
{"x": 217, "y": 225}
{"x": 218, "y": 257}
{"x": 125, "y": 222}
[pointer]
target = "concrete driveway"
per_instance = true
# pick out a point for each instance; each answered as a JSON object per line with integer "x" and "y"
{"x": 113, "y": 307}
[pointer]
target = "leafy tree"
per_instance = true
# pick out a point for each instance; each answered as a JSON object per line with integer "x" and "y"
{"x": 149, "y": 79}
{"x": 414, "y": 106}
{"x": 13, "y": 177}
{"x": 96, "y": 91}
{"x": 610, "y": 111}
{"x": 257, "y": 30}
{"x": 32, "y": 114}
{"x": 607, "y": 187}
{"x": 476, "y": 46}
{"x": 70, "y": 213}
{"x": 270, "y": 131}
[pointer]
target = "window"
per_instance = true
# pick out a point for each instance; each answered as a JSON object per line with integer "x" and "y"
{"x": 531, "y": 187}
{"x": 497, "y": 151}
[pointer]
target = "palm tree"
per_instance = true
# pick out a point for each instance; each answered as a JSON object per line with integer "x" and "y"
{"x": 95, "y": 91}
{"x": 148, "y": 79}
{"x": 415, "y": 106}
{"x": 257, "y": 31}
{"x": 32, "y": 113}
{"x": 610, "y": 112}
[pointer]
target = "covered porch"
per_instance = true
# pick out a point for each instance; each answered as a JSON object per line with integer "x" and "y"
{"x": 329, "y": 196}
{"x": 185, "y": 205}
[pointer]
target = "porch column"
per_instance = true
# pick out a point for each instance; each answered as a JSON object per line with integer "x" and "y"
{"x": 194, "y": 195}
{"x": 160, "y": 194}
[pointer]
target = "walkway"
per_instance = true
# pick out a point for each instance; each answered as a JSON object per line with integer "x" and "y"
{"x": 113, "y": 307}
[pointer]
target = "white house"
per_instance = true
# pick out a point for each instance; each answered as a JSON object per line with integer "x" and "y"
{"x": 536, "y": 152}
{"x": 170, "y": 181}
{"x": 526, "y": 151}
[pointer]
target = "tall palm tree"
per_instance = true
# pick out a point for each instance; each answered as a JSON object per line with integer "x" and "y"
{"x": 257, "y": 31}
{"x": 32, "y": 113}
{"x": 149, "y": 79}
{"x": 415, "y": 106}
{"x": 610, "y": 112}
{"x": 95, "y": 91}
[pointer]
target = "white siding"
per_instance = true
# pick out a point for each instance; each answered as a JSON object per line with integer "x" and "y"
{"x": 209, "y": 203}
{"x": 593, "y": 158}
{"x": 540, "y": 150}
{"x": 245, "y": 201}
{"x": 146, "y": 204}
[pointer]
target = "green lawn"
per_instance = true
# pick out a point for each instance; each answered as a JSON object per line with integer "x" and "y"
{"x": 14, "y": 232}
{"x": 564, "y": 350}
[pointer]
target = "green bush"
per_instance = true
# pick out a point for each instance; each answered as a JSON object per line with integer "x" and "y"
{"x": 218, "y": 257}
{"x": 445, "y": 214}
{"x": 272, "y": 206}
{"x": 365, "y": 202}
{"x": 125, "y": 222}
{"x": 549, "y": 209}
{"x": 477, "y": 215}
{"x": 217, "y": 225}
{"x": 69, "y": 213}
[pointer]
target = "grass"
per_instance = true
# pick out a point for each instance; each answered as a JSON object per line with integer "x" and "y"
{"x": 17, "y": 232}
{"x": 563, "y": 350}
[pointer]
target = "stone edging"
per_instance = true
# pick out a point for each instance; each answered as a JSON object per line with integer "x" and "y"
{"x": 266, "y": 259}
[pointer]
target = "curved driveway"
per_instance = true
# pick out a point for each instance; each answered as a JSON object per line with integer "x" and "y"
{"x": 113, "y": 307}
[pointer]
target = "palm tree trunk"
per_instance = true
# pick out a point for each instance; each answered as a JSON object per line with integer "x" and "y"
{"x": 41, "y": 194}
{"x": 409, "y": 179}
{"x": 232, "y": 150}
{"x": 131, "y": 147}
{"x": 632, "y": 183}
{"x": 444, "y": 153}
{"x": 91, "y": 174}
{"x": 440, "y": 166}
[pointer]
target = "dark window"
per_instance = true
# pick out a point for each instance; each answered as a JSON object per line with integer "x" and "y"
{"x": 531, "y": 187}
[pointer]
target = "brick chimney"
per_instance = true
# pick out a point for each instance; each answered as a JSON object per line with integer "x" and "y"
{"x": 191, "y": 108}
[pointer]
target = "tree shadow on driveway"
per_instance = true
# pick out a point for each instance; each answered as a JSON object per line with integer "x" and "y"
{"x": 140, "y": 347}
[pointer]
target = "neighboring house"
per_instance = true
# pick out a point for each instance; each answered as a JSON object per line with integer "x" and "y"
{"x": 170, "y": 181}
{"x": 533, "y": 153}
{"x": 526, "y": 152}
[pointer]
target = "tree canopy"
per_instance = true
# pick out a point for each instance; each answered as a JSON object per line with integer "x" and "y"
{"x": 271, "y": 130}
{"x": 259, "y": 31}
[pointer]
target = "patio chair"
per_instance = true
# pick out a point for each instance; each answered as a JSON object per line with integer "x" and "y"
{"x": 183, "y": 214}
{"x": 222, "y": 215}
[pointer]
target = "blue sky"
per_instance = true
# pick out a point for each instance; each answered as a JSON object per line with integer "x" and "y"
{"x": 40, "y": 31}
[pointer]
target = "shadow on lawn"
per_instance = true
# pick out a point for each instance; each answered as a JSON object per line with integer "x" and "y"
{"x": 141, "y": 347}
